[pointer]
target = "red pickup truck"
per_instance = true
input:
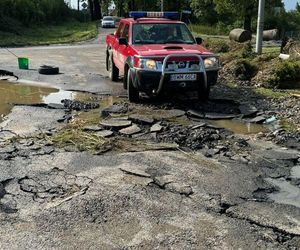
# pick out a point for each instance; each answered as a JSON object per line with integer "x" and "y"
{"x": 156, "y": 54}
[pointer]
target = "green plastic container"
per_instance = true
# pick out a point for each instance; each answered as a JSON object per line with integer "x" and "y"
{"x": 23, "y": 63}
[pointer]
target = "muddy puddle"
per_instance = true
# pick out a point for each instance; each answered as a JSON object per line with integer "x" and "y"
{"x": 240, "y": 127}
{"x": 288, "y": 193}
{"x": 15, "y": 94}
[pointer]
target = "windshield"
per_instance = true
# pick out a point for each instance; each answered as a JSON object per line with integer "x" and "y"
{"x": 107, "y": 18}
{"x": 161, "y": 33}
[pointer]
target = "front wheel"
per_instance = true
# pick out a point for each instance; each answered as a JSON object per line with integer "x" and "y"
{"x": 203, "y": 93}
{"x": 113, "y": 70}
{"x": 133, "y": 93}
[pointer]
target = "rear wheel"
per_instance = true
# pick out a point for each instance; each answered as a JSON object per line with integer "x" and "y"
{"x": 203, "y": 93}
{"x": 133, "y": 93}
{"x": 113, "y": 70}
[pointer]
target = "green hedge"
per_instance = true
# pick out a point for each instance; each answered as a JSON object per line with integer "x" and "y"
{"x": 17, "y": 13}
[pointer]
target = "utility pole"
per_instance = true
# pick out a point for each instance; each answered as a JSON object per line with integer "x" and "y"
{"x": 260, "y": 26}
{"x": 162, "y": 5}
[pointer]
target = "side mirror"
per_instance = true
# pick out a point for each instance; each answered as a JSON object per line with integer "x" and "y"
{"x": 123, "y": 41}
{"x": 199, "y": 40}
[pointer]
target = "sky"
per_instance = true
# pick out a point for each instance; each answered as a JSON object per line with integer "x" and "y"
{"x": 289, "y": 4}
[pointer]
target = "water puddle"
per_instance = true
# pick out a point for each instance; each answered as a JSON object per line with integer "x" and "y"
{"x": 240, "y": 127}
{"x": 288, "y": 194}
{"x": 15, "y": 94}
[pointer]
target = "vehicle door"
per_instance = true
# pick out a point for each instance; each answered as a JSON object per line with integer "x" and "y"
{"x": 123, "y": 49}
{"x": 115, "y": 46}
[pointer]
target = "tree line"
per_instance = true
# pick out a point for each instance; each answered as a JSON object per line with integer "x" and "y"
{"x": 225, "y": 13}
{"x": 235, "y": 13}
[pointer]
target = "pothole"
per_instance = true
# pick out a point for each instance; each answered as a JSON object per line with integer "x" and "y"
{"x": 240, "y": 126}
{"x": 12, "y": 94}
{"x": 288, "y": 194}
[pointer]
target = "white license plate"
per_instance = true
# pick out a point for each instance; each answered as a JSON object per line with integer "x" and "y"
{"x": 183, "y": 77}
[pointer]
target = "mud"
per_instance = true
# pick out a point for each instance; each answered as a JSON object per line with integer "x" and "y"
{"x": 13, "y": 93}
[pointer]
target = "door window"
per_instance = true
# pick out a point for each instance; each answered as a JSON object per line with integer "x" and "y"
{"x": 119, "y": 30}
{"x": 126, "y": 32}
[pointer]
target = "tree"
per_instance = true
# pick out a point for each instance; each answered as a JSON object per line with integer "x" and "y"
{"x": 95, "y": 9}
{"x": 244, "y": 9}
{"x": 204, "y": 11}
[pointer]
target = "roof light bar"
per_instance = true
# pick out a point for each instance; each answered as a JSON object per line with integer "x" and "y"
{"x": 141, "y": 14}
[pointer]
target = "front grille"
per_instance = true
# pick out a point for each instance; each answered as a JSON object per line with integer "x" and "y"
{"x": 180, "y": 64}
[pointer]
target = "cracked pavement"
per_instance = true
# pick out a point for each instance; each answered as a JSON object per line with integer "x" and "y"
{"x": 166, "y": 199}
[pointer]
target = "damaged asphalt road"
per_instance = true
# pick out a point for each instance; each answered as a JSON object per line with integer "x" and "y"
{"x": 213, "y": 191}
{"x": 169, "y": 176}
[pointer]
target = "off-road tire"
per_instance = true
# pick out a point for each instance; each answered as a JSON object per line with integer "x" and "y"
{"x": 125, "y": 79}
{"x": 133, "y": 93}
{"x": 48, "y": 70}
{"x": 113, "y": 70}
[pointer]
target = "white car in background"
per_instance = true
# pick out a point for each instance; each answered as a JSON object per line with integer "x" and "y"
{"x": 108, "y": 22}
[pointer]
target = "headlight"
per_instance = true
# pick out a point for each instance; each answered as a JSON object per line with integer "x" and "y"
{"x": 147, "y": 64}
{"x": 211, "y": 62}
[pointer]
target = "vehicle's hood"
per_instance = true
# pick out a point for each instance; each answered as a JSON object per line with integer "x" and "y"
{"x": 107, "y": 21}
{"x": 167, "y": 49}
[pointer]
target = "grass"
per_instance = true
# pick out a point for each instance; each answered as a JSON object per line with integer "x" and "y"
{"x": 66, "y": 33}
{"x": 288, "y": 125}
{"x": 270, "y": 93}
{"x": 73, "y": 135}
{"x": 207, "y": 30}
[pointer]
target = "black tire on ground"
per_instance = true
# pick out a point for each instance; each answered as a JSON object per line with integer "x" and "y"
{"x": 203, "y": 93}
{"x": 107, "y": 60}
{"x": 113, "y": 70}
{"x": 125, "y": 77}
{"x": 133, "y": 93}
{"x": 48, "y": 70}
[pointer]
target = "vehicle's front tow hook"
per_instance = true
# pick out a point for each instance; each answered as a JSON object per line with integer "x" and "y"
{"x": 182, "y": 84}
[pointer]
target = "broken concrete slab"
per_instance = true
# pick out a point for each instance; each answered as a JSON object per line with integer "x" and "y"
{"x": 55, "y": 106}
{"x": 134, "y": 129}
{"x": 25, "y": 120}
{"x": 248, "y": 110}
{"x": 258, "y": 119}
{"x": 114, "y": 109}
{"x": 92, "y": 128}
{"x": 200, "y": 125}
{"x": 141, "y": 119}
{"x": 135, "y": 171}
{"x": 219, "y": 116}
{"x": 282, "y": 218}
{"x": 6, "y": 135}
{"x": 180, "y": 188}
{"x": 280, "y": 154}
{"x": 156, "y": 128}
{"x": 195, "y": 113}
{"x": 78, "y": 105}
{"x": 105, "y": 133}
{"x": 162, "y": 181}
{"x": 174, "y": 113}
{"x": 115, "y": 123}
